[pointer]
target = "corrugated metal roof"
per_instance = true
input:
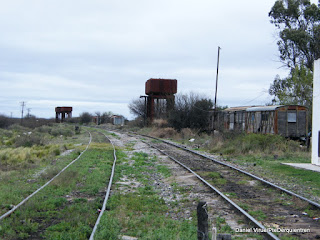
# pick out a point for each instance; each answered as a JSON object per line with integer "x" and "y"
{"x": 242, "y": 108}
{"x": 263, "y": 108}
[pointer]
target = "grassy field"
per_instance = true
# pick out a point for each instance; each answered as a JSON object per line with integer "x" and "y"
{"x": 142, "y": 212}
{"x": 65, "y": 209}
{"x": 26, "y": 165}
{"x": 69, "y": 206}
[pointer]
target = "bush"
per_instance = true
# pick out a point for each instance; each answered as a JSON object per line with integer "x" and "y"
{"x": 160, "y": 123}
{"x": 164, "y": 132}
{"x": 4, "y": 121}
{"x": 232, "y": 143}
{"x": 28, "y": 139}
{"x": 136, "y": 123}
{"x": 191, "y": 111}
{"x": 85, "y": 118}
{"x": 59, "y": 130}
{"x": 44, "y": 129}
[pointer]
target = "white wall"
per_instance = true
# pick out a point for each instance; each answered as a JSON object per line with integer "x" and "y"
{"x": 316, "y": 113}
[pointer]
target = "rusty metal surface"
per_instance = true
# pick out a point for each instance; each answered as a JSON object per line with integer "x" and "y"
{"x": 63, "y": 109}
{"x": 161, "y": 86}
{"x": 267, "y": 120}
{"x": 157, "y": 88}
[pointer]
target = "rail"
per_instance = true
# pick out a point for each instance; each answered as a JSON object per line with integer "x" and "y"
{"x": 108, "y": 190}
{"x": 247, "y": 173}
{"x": 46, "y": 184}
{"x": 264, "y": 231}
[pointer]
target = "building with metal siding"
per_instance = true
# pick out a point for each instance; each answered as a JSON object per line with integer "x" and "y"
{"x": 286, "y": 120}
{"x": 117, "y": 120}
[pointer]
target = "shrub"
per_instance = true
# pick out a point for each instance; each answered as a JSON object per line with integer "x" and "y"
{"x": 4, "y": 121}
{"x": 61, "y": 130}
{"x": 232, "y": 143}
{"x": 187, "y": 133}
{"x": 163, "y": 132}
{"x": 160, "y": 123}
{"x": 85, "y": 118}
{"x": 44, "y": 129}
{"x": 28, "y": 139}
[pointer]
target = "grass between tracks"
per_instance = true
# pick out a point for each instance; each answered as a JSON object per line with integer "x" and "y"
{"x": 141, "y": 212}
{"x": 67, "y": 208}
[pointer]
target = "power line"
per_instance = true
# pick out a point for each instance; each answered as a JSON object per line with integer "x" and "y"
{"x": 23, "y": 104}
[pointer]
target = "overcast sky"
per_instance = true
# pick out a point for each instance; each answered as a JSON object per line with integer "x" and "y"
{"x": 97, "y": 55}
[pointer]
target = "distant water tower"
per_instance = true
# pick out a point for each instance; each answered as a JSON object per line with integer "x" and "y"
{"x": 62, "y": 112}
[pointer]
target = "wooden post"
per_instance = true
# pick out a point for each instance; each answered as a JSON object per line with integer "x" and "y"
{"x": 224, "y": 237}
{"x": 202, "y": 221}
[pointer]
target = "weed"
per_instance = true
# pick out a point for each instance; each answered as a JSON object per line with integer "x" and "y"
{"x": 216, "y": 178}
{"x": 259, "y": 215}
{"x": 242, "y": 182}
{"x": 164, "y": 170}
{"x": 226, "y": 229}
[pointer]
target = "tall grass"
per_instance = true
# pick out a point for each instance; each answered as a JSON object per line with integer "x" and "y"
{"x": 21, "y": 146}
{"x": 236, "y": 144}
{"x": 14, "y": 157}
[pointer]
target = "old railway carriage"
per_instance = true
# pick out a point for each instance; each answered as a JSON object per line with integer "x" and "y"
{"x": 286, "y": 120}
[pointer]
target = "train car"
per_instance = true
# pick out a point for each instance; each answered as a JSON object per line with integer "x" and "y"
{"x": 235, "y": 118}
{"x": 286, "y": 120}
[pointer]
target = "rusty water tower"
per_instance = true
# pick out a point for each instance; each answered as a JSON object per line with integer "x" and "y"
{"x": 61, "y": 113}
{"x": 157, "y": 88}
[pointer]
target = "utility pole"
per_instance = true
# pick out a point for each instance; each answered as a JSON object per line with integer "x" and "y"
{"x": 215, "y": 97}
{"x": 29, "y": 110}
{"x": 23, "y": 104}
{"x": 214, "y": 119}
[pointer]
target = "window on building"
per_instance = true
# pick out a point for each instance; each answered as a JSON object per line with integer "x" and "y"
{"x": 292, "y": 117}
{"x": 264, "y": 116}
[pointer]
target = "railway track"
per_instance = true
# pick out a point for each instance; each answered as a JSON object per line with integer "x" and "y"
{"x": 274, "y": 211}
{"x": 108, "y": 189}
{"x": 24, "y": 207}
{"x": 8, "y": 213}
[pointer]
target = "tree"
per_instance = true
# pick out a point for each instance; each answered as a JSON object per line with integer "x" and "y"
{"x": 106, "y": 117}
{"x": 295, "y": 89}
{"x": 191, "y": 111}
{"x": 4, "y": 121}
{"x": 85, "y": 118}
{"x": 298, "y": 22}
{"x": 199, "y": 115}
{"x": 137, "y": 107}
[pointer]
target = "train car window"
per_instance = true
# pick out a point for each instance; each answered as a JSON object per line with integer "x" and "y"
{"x": 252, "y": 117}
{"x": 264, "y": 116}
{"x": 232, "y": 118}
{"x": 292, "y": 117}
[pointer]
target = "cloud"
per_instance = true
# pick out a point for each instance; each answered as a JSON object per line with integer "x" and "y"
{"x": 97, "y": 55}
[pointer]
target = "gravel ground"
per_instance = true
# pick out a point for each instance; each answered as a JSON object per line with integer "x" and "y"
{"x": 181, "y": 191}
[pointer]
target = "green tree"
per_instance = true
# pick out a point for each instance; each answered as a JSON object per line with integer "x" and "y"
{"x": 295, "y": 89}
{"x": 298, "y": 22}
